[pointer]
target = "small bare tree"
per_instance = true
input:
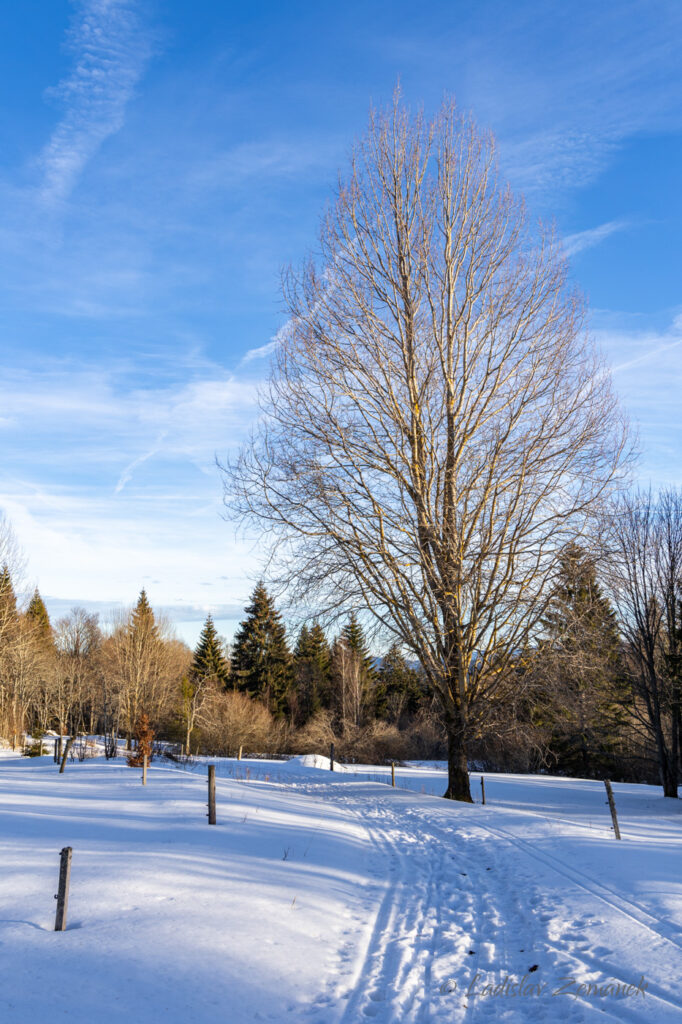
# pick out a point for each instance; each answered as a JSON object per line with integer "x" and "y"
{"x": 645, "y": 572}
{"x": 437, "y": 423}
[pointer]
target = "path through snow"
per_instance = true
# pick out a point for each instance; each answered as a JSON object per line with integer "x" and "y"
{"x": 327, "y": 899}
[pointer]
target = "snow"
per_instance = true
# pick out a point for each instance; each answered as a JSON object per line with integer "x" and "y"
{"x": 327, "y": 898}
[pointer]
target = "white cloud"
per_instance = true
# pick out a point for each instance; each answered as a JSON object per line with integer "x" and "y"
{"x": 107, "y": 485}
{"x": 647, "y": 372}
{"x": 260, "y": 353}
{"x": 110, "y": 52}
{"x": 581, "y": 240}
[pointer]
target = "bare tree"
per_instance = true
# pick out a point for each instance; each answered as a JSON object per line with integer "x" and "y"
{"x": 645, "y": 566}
{"x": 437, "y": 423}
{"x": 78, "y": 639}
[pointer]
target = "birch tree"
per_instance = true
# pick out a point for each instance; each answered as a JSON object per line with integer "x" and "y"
{"x": 437, "y": 424}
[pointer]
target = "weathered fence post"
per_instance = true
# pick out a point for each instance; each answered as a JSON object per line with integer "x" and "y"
{"x": 54, "y": 757}
{"x": 331, "y": 757}
{"x": 62, "y": 896}
{"x": 482, "y": 790}
{"x": 144, "y": 770}
{"x": 67, "y": 748}
{"x": 612, "y": 806}
{"x": 239, "y": 755}
{"x": 393, "y": 773}
{"x": 211, "y": 795}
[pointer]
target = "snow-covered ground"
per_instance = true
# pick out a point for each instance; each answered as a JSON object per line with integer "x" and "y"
{"x": 335, "y": 898}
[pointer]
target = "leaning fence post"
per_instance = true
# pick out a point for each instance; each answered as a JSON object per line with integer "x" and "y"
{"x": 612, "y": 806}
{"x": 482, "y": 790}
{"x": 62, "y": 896}
{"x": 211, "y": 795}
{"x": 67, "y": 748}
{"x": 393, "y": 773}
{"x": 239, "y": 755}
{"x": 144, "y": 770}
{"x": 331, "y": 757}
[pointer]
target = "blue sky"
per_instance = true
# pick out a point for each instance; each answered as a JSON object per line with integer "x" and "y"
{"x": 160, "y": 163}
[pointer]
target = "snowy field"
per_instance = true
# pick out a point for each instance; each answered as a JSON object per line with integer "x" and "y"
{"x": 331, "y": 899}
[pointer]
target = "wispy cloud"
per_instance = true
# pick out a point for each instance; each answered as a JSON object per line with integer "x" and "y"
{"x": 108, "y": 483}
{"x": 110, "y": 52}
{"x": 260, "y": 353}
{"x": 647, "y": 372}
{"x": 127, "y": 473}
{"x": 581, "y": 240}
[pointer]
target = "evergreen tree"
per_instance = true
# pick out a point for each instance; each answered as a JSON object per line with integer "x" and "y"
{"x": 354, "y": 637}
{"x": 8, "y": 600}
{"x": 141, "y": 658}
{"x": 261, "y": 661}
{"x": 36, "y": 615}
{"x": 399, "y": 687}
{"x": 143, "y": 620}
{"x": 312, "y": 663}
{"x": 353, "y": 675}
{"x": 9, "y": 618}
{"x": 209, "y": 658}
{"x": 583, "y": 662}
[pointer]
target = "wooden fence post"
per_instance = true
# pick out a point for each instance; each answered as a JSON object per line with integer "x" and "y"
{"x": 331, "y": 757}
{"x": 62, "y": 896}
{"x": 67, "y": 748}
{"x": 54, "y": 758}
{"x": 239, "y": 755}
{"x": 144, "y": 770}
{"x": 482, "y": 790}
{"x": 612, "y": 806}
{"x": 211, "y": 795}
{"x": 393, "y": 773}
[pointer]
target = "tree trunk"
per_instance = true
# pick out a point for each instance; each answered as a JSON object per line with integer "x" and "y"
{"x": 458, "y": 769}
{"x": 669, "y": 777}
{"x": 666, "y": 766}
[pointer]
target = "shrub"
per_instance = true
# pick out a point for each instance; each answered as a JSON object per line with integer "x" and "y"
{"x": 144, "y": 735}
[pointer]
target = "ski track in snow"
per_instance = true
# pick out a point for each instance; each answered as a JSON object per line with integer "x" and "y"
{"x": 471, "y": 894}
{"x": 434, "y": 902}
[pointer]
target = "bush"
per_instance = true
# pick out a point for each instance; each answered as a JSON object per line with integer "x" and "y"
{"x": 232, "y": 720}
{"x": 144, "y": 735}
{"x": 35, "y": 749}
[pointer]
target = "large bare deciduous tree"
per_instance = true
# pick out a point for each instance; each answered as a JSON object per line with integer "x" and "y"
{"x": 437, "y": 424}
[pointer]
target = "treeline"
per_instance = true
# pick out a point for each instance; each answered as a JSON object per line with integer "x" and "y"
{"x": 597, "y": 695}
{"x": 72, "y": 677}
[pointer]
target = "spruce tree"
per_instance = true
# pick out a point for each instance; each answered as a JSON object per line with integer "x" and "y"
{"x": 36, "y": 615}
{"x": 584, "y": 668}
{"x": 399, "y": 688}
{"x": 142, "y": 618}
{"x": 354, "y": 636}
{"x": 209, "y": 659}
{"x": 9, "y": 617}
{"x": 8, "y": 600}
{"x": 261, "y": 661}
{"x": 353, "y": 675}
{"x": 312, "y": 663}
